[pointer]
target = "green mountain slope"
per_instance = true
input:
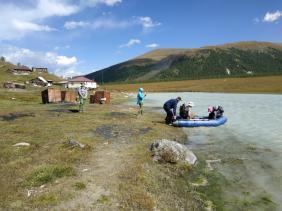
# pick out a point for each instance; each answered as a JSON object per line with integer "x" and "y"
{"x": 230, "y": 60}
{"x": 5, "y": 74}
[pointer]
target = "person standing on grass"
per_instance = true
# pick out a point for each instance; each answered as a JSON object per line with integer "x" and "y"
{"x": 170, "y": 109}
{"x": 82, "y": 94}
{"x": 140, "y": 100}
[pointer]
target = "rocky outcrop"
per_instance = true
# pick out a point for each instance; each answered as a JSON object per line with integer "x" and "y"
{"x": 171, "y": 151}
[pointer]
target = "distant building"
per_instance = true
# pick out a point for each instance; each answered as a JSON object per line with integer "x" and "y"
{"x": 75, "y": 82}
{"x": 13, "y": 85}
{"x": 21, "y": 70}
{"x": 40, "y": 69}
{"x": 40, "y": 81}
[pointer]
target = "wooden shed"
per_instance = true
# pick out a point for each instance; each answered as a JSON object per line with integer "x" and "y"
{"x": 51, "y": 96}
{"x": 69, "y": 96}
{"x": 96, "y": 98}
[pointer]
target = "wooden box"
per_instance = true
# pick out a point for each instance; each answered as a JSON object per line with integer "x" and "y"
{"x": 68, "y": 96}
{"x": 51, "y": 96}
{"x": 99, "y": 95}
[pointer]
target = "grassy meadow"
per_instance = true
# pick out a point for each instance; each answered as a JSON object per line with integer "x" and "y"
{"x": 267, "y": 84}
{"x": 114, "y": 170}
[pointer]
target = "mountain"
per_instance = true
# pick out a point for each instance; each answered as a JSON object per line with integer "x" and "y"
{"x": 230, "y": 60}
{"x": 6, "y": 75}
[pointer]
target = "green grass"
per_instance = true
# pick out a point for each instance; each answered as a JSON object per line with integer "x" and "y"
{"x": 267, "y": 84}
{"x": 5, "y": 75}
{"x": 46, "y": 174}
{"x": 79, "y": 186}
{"x": 140, "y": 183}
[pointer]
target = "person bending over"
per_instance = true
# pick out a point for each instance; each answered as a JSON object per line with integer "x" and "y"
{"x": 170, "y": 109}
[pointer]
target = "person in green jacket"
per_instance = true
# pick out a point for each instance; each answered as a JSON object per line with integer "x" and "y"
{"x": 82, "y": 94}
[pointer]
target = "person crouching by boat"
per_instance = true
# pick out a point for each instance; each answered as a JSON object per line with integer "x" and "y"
{"x": 170, "y": 109}
{"x": 185, "y": 110}
{"x": 140, "y": 100}
{"x": 82, "y": 94}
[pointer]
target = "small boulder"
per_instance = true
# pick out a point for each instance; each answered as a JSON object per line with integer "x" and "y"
{"x": 171, "y": 151}
{"x": 21, "y": 144}
{"x": 74, "y": 143}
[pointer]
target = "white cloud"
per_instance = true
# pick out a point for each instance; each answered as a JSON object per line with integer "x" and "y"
{"x": 66, "y": 61}
{"x": 18, "y": 20}
{"x": 153, "y": 45}
{"x": 75, "y": 24}
{"x": 130, "y": 43}
{"x": 106, "y": 23}
{"x": 93, "y": 3}
{"x": 24, "y": 26}
{"x": 272, "y": 17}
{"x": 110, "y": 23}
{"x": 59, "y": 64}
{"x": 57, "y": 48}
{"x": 147, "y": 22}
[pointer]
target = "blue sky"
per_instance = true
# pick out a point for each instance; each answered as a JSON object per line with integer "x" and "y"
{"x": 78, "y": 37}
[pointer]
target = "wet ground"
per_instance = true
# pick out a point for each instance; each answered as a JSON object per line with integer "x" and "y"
{"x": 16, "y": 115}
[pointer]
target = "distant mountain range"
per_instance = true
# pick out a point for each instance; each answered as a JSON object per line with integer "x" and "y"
{"x": 242, "y": 59}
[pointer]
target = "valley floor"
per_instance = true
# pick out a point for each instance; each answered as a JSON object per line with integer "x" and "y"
{"x": 267, "y": 84}
{"x": 114, "y": 170}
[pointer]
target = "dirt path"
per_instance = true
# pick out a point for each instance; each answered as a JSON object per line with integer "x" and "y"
{"x": 101, "y": 172}
{"x": 101, "y": 176}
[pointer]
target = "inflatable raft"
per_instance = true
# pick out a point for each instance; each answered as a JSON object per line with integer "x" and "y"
{"x": 200, "y": 122}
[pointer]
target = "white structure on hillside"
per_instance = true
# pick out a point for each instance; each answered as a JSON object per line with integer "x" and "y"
{"x": 76, "y": 82}
{"x": 40, "y": 81}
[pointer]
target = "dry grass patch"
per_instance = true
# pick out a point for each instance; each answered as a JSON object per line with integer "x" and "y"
{"x": 267, "y": 84}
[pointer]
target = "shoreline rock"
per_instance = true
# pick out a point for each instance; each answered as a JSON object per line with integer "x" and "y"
{"x": 172, "y": 152}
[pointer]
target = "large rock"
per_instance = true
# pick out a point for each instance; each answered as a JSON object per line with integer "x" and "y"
{"x": 173, "y": 152}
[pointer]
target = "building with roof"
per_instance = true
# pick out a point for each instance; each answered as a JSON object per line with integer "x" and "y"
{"x": 76, "y": 82}
{"x": 40, "y": 69}
{"x": 40, "y": 81}
{"x": 21, "y": 70}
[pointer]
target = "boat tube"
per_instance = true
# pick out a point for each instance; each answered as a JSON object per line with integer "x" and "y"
{"x": 200, "y": 122}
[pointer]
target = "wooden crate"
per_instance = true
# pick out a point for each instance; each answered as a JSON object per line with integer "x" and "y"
{"x": 51, "y": 96}
{"x": 100, "y": 94}
{"x": 68, "y": 96}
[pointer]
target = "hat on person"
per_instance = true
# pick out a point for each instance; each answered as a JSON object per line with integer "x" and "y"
{"x": 190, "y": 104}
{"x": 141, "y": 89}
{"x": 178, "y": 98}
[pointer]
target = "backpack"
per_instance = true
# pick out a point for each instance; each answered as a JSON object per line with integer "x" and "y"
{"x": 182, "y": 111}
{"x": 219, "y": 112}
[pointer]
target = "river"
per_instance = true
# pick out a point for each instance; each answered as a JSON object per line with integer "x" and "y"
{"x": 248, "y": 147}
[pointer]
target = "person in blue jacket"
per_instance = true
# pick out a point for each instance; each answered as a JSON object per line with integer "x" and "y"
{"x": 140, "y": 100}
{"x": 170, "y": 109}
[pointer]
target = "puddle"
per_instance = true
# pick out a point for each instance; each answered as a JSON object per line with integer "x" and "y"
{"x": 60, "y": 110}
{"x": 16, "y": 115}
{"x": 119, "y": 132}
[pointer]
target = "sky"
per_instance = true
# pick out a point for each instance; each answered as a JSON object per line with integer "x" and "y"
{"x": 76, "y": 37}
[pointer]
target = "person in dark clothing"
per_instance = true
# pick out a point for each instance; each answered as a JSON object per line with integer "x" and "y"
{"x": 212, "y": 112}
{"x": 185, "y": 110}
{"x": 215, "y": 112}
{"x": 170, "y": 109}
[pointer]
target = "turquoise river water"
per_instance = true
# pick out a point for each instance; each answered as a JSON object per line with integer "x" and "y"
{"x": 246, "y": 151}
